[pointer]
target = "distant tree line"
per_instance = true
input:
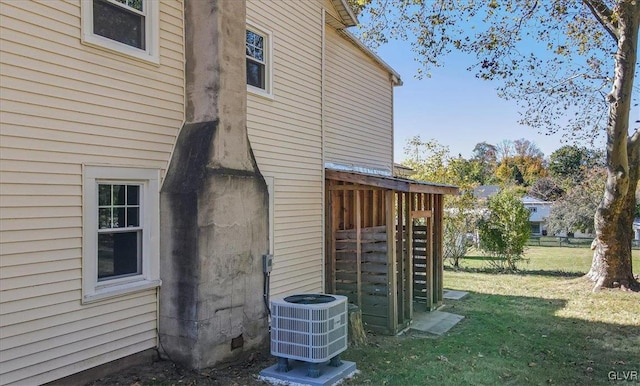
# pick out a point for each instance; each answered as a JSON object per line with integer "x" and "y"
{"x": 572, "y": 178}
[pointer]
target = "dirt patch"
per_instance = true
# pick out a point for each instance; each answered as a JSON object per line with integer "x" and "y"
{"x": 164, "y": 372}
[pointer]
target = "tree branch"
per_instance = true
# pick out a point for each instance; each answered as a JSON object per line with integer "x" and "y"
{"x": 580, "y": 75}
{"x": 604, "y": 15}
{"x": 634, "y": 139}
{"x": 527, "y": 15}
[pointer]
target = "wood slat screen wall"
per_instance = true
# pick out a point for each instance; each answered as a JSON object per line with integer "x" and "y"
{"x": 383, "y": 251}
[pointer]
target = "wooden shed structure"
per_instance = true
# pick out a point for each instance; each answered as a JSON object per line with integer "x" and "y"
{"x": 384, "y": 245}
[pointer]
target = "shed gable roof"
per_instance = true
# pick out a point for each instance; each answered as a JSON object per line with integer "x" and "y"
{"x": 388, "y": 182}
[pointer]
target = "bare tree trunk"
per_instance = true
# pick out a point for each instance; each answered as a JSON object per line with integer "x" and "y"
{"x": 611, "y": 266}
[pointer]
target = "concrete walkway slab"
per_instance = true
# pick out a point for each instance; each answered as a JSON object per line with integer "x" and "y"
{"x": 435, "y": 322}
{"x": 454, "y": 295}
{"x": 298, "y": 374}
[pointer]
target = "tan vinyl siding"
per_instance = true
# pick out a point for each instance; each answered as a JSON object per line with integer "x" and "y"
{"x": 65, "y": 104}
{"x": 286, "y": 137}
{"x": 73, "y": 337}
{"x": 358, "y": 107}
{"x": 328, "y": 6}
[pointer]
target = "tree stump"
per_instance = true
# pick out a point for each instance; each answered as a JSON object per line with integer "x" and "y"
{"x": 357, "y": 336}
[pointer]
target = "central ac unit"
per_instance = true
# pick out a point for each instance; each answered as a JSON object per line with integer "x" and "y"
{"x": 309, "y": 327}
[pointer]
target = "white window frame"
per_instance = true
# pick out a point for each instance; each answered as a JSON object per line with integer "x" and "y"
{"x": 152, "y": 32}
{"x": 149, "y": 179}
{"x": 267, "y": 92}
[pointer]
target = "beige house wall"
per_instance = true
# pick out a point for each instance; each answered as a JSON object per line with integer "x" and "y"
{"x": 359, "y": 107}
{"x": 65, "y": 104}
{"x": 286, "y": 138}
{"x": 286, "y": 130}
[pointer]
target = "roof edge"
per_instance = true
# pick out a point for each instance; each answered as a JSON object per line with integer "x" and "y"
{"x": 389, "y": 182}
{"x": 346, "y": 13}
{"x": 395, "y": 77}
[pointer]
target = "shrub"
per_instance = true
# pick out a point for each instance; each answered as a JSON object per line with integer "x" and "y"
{"x": 505, "y": 230}
{"x": 459, "y": 217}
{"x": 455, "y": 241}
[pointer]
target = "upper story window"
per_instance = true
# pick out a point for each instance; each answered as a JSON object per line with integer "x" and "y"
{"x": 120, "y": 231}
{"x": 532, "y": 209}
{"x": 122, "y": 21}
{"x": 255, "y": 60}
{"x": 259, "y": 63}
{"x": 127, "y": 26}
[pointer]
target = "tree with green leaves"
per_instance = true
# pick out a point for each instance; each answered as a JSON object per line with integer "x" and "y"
{"x": 509, "y": 173}
{"x": 505, "y": 229}
{"x": 432, "y": 162}
{"x": 583, "y": 85}
{"x": 485, "y": 156}
{"x": 519, "y": 170}
{"x": 567, "y": 162}
{"x": 428, "y": 159}
{"x": 570, "y": 162}
{"x": 574, "y": 211}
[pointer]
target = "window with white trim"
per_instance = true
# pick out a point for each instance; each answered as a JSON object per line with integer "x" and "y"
{"x": 259, "y": 63}
{"x": 121, "y": 225}
{"x": 126, "y": 26}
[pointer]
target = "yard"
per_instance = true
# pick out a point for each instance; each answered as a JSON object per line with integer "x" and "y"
{"x": 543, "y": 326}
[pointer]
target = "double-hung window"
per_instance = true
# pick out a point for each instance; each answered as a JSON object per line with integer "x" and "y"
{"x": 127, "y": 26}
{"x": 121, "y": 210}
{"x": 259, "y": 61}
{"x": 119, "y": 229}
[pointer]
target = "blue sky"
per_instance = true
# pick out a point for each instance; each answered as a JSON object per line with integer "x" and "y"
{"x": 453, "y": 106}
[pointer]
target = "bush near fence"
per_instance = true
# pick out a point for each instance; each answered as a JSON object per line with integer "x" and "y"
{"x": 560, "y": 241}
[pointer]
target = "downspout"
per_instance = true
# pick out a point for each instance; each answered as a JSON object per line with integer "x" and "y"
{"x": 322, "y": 136}
{"x": 393, "y": 127}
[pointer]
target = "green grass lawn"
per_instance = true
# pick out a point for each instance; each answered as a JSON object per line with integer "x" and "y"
{"x": 541, "y": 326}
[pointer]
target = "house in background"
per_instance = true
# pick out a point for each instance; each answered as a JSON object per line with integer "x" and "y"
{"x": 484, "y": 192}
{"x": 145, "y": 171}
{"x": 539, "y": 210}
{"x": 539, "y": 213}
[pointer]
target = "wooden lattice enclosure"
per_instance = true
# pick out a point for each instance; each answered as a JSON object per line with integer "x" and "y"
{"x": 384, "y": 248}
